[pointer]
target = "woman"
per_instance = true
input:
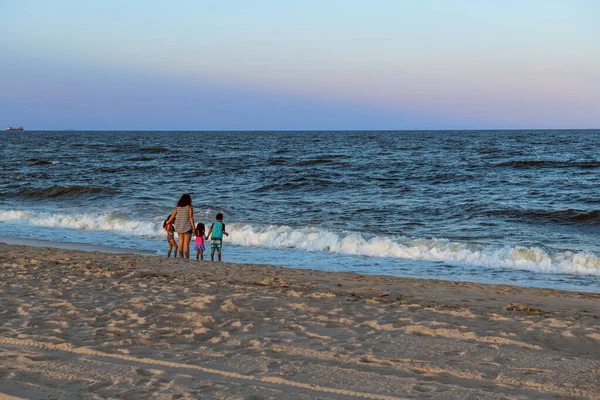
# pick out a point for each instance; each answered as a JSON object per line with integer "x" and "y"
{"x": 183, "y": 215}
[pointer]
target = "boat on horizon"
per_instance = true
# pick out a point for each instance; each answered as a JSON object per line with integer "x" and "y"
{"x": 10, "y": 128}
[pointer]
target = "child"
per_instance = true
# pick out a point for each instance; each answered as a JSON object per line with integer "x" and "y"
{"x": 170, "y": 237}
{"x": 200, "y": 238}
{"x": 217, "y": 230}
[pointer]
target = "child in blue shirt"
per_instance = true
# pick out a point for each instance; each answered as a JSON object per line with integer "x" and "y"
{"x": 215, "y": 233}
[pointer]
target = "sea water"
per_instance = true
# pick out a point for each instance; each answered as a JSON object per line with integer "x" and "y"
{"x": 515, "y": 207}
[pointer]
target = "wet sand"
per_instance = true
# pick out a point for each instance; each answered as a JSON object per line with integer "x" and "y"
{"x": 77, "y": 324}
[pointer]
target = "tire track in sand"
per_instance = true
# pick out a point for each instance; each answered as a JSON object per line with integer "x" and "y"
{"x": 227, "y": 374}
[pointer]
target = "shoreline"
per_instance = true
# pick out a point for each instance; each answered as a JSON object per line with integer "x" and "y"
{"x": 137, "y": 324}
{"x": 17, "y": 240}
{"x": 20, "y": 241}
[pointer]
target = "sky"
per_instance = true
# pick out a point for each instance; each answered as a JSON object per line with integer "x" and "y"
{"x": 300, "y": 65}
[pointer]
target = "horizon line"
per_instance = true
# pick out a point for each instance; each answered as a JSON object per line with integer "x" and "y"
{"x": 310, "y": 130}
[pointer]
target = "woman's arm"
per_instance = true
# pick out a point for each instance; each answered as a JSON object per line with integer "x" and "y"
{"x": 172, "y": 217}
{"x": 191, "y": 215}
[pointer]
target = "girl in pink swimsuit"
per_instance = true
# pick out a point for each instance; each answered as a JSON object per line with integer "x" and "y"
{"x": 200, "y": 238}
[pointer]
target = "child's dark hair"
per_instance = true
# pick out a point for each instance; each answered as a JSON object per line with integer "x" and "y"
{"x": 165, "y": 223}
{"x": 219, "y": 217}
{"x": 200, "y": 229}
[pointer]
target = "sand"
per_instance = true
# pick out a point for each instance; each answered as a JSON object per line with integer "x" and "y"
{"x": 77, "y": 324}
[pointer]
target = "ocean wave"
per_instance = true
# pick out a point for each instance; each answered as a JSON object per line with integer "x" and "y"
{"x": 153, "y": 150}
{"x": 101, "y": 222}
{"x": 526, "y": 164}
{"x": 440, "y": 250}
{"x": 327, "y": 159}
{"x": 140, "y": 158}
{"x": 56, "y": 191}
{"x": 278, "y": 161}
{"x": 118, "y": 148}
{"x": 310, "y": 163}
{"x": 129, "y": 148}
{"x": 348, "y": 243}
{"x": 299, "y": 183}
{"x": 562, "y": 217}
{"x": 36, "y": 161}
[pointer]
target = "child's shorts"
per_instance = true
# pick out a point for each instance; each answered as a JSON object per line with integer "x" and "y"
{"x": 199, "y": 247}
{"x": 216, "y": 245}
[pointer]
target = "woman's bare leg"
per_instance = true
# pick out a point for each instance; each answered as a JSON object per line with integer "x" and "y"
{"x": 186, "y": 245}
{"x": 180, "y": 240}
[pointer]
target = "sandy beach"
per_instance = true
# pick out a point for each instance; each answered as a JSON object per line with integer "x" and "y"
{"x": 77, "y": 324}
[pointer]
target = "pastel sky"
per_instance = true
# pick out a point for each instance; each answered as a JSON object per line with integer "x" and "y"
{"x": 283, "y": 65}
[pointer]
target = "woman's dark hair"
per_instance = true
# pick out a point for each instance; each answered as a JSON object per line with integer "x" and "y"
{"x": 185, "y": 200}
{"x": 165, "y": 223}
{"x": 200, "y": 229}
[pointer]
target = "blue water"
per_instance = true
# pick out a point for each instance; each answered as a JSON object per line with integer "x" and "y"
{"x": 516, "y": 207}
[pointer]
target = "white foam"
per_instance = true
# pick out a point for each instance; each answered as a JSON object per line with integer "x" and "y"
{"x": 9, "y": 215}
{"x": 349, "y": 243}
{"x": 442, "y": 250}
{"x": 101, "y": 222}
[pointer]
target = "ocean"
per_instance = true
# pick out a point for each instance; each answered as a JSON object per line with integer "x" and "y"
{"x": 504, "y": 207}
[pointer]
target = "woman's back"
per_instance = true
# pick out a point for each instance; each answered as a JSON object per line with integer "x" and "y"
{"x": 182, "y": 221}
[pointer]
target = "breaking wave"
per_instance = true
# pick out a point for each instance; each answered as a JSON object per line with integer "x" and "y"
{"x": 349, "y": 243}
{"x": 440, "y": 250}
{"x": 102, "y": 222}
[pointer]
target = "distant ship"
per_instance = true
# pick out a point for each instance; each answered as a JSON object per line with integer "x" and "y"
{"x": 10, "y": 128}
